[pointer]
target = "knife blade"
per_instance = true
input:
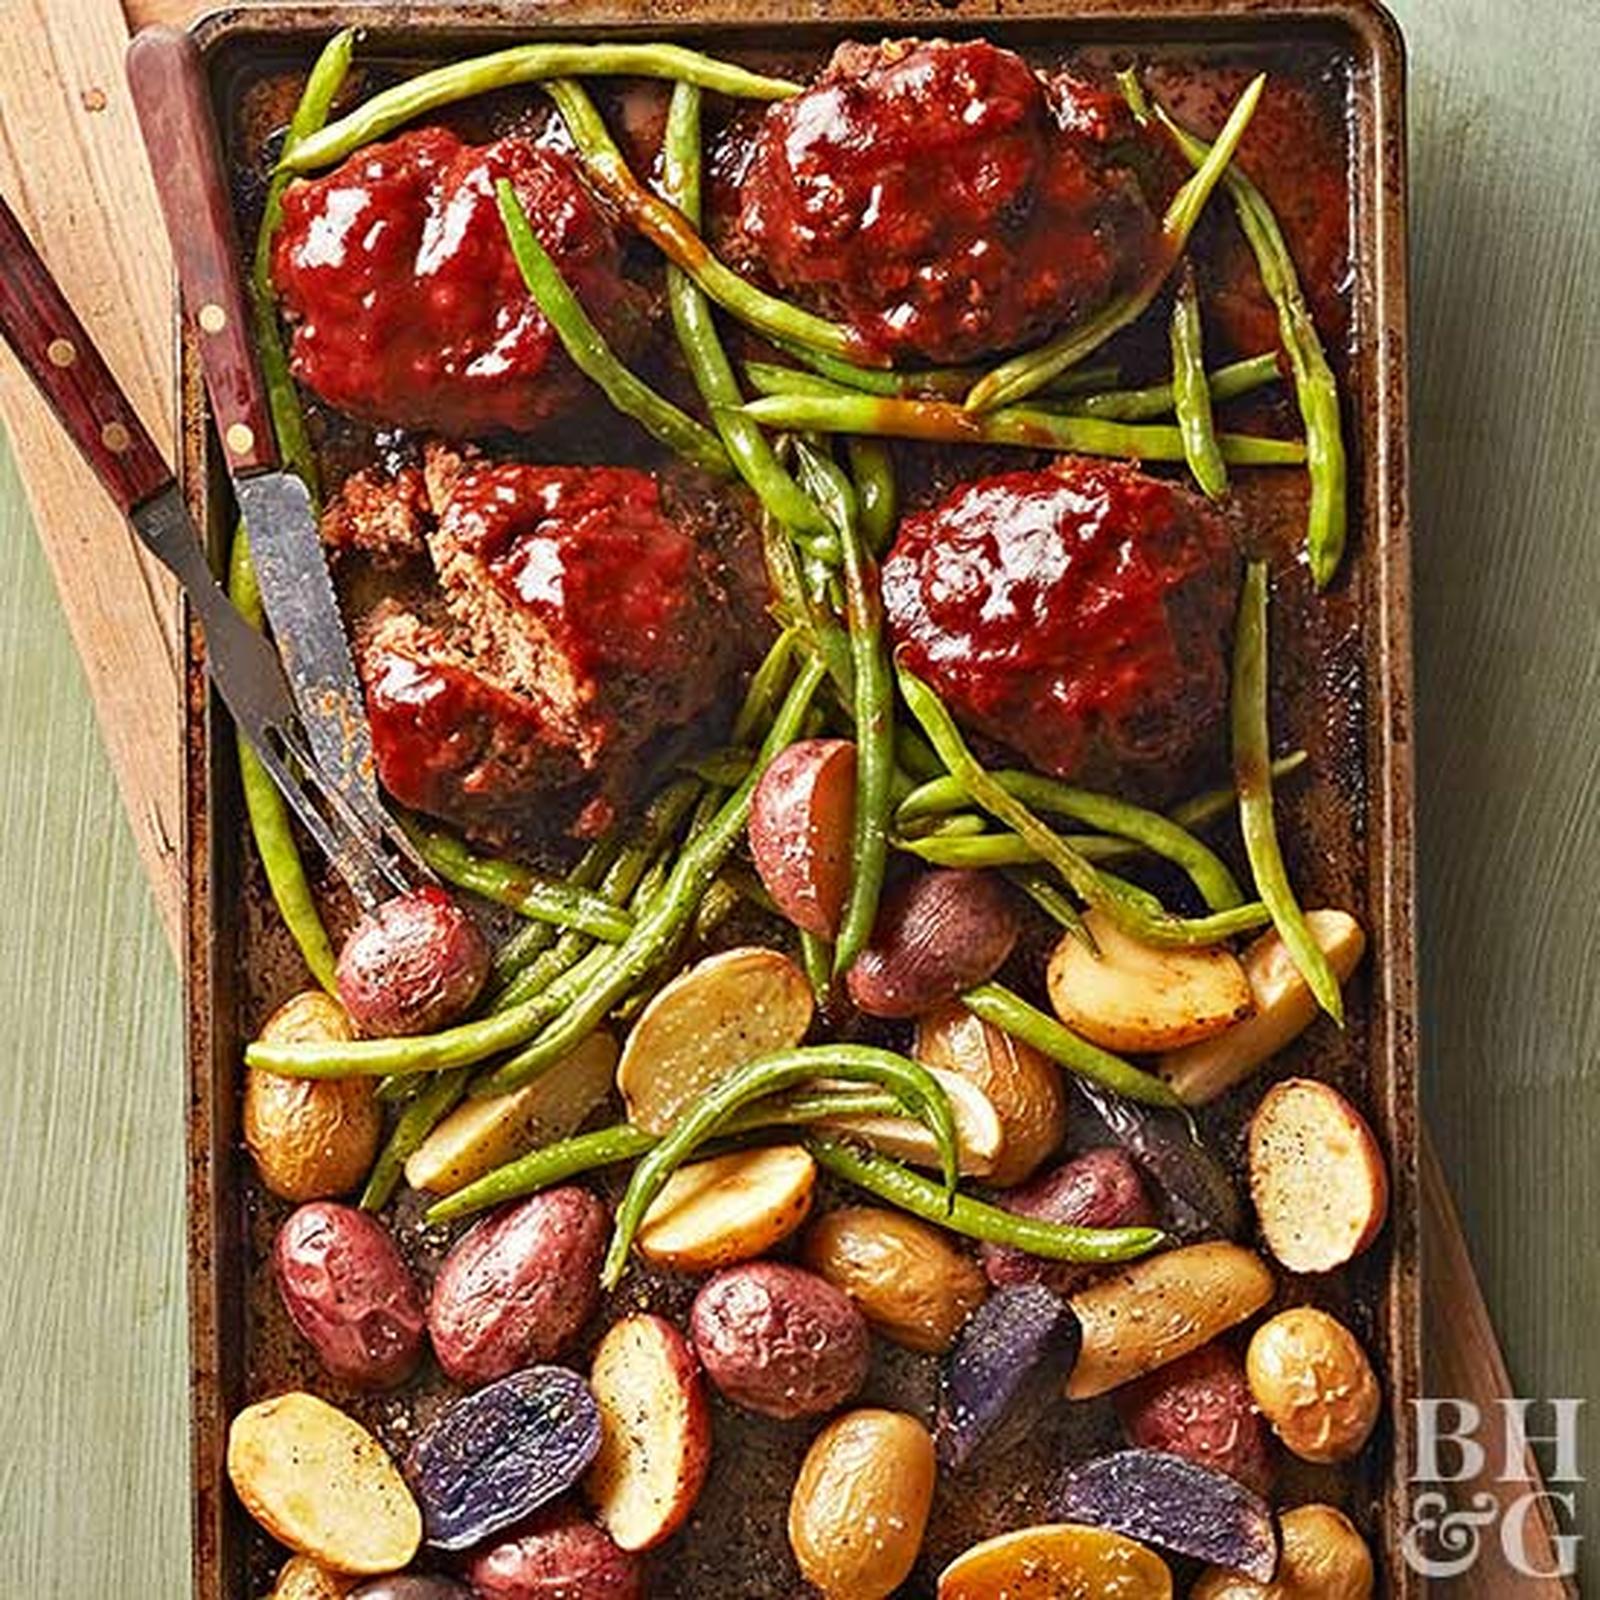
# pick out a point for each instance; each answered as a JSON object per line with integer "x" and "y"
{"x": 167, "y": 79}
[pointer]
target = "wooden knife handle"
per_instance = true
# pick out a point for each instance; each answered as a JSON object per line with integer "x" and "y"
{"x": 168, "y": 81}
{"x": 60, "y": 357}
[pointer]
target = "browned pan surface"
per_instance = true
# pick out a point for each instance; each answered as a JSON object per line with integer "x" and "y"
{"x": 1342, "y": 678}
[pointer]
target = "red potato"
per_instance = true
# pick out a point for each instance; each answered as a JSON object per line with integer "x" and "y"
{"x": 655, "y": 1439}
{"x": 1317, "y": 1176}
{"x": 557, "y": 1555}
{"x": 1098, "y": 1189}
{"x": 351, "y": 1294}
{"x": 519, "y": 1286}
{"x": 412, "y": 966}
{"x": 938, "y": 933}
{"x": 801, "y": 818}
{"x": 780, "y": 1340}
{"x": 1201, "y": 1408}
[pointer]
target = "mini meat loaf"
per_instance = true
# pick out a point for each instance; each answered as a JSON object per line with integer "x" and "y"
{"x": 1079, "y": 614}
{"x": 945, "y": 199}
{"x": 580, "y": 620}
{"x": 406, "y": 306}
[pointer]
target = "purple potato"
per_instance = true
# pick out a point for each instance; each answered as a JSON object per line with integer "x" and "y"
{"x": 494, "y": 1457}
{"x": 1016, "y": 1347}
{"x": 1165, "y": 1500}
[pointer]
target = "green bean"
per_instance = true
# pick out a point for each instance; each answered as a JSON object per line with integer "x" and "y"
{"x": 813, "y": 625}
{"x": 877, "y": 496}
{"x": 532, "y": 939}
{"x": 873, "y": 709}
{"x": 975, "y": 1219}
{"x": 1027, "y": 428}
{"x": 1191, "y": 390}
{"x": 663, "y": 920}
{"x": 916, "y": 1089}
{"x": 667, "y": 228}
{"x": 1052, "y": 901}
{"x": 948, "y": 383}
{"x": 765, "y": 688}
{"x": 1158, "y": 400}
{"x": 1130, "y": 913}
{"x": 1010, "y": 1013}
{"x": 528, "y": 63}
{"x": 768, "y": 379}
{"x": 816, "y": 956}
{"x": 542, "y": 1168}
{"x": 510, "y": 884}
{"x": 1252, "y": 777}
{"x": 696, "y": 326}
{"x": 590, "y": 353}
{"x": 1316, "y": 389}
{"x": 425, "y": 1112}
{"x": 1158, "y": 834}
{"x": 1026, "y": 374}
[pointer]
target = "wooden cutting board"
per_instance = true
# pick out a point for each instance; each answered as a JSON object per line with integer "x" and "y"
{"x": 71, "y": 165}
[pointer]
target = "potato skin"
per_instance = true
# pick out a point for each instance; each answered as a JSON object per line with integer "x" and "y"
{"x": 860, "y": 1504}
{"x": 1314, "y": 1384}
{"x": 1201, "y": 1408}
{"x": 1324, "y": 1558}
{"x": 1099, "y": 1189}
{"x": 779, "y": 1340}
{"x": 517, "y": 1288}
{"x": 801, "y": 817}
{"x": 412, "y": 1586}
{"x": 413, "y": 965}
{"x": 311, "y": 1139}
{"x": 351, "y": 1294}
{"x": 909, "y": 1281}
{"x": 558, "y": 1554}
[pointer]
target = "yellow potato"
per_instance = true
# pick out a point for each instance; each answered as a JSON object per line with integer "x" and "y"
{"x": 1139, "y": 997}
{"x": 319, "y": 1483}
{"x": 483, "y": 1134}
{"x": 310, "y": 1138}
{"x": 1314, "y": 1384}
{"x": 1284, "y": 1008}
{"x": 728, "y": 1208}
{"x": 1324, "y": 1558}
{"x": 721, "y": 1013}
{"x": 980, "y": 1136}
{"x": 303, "y": 1579}
{"x": 1151, "y": 1312}
{"x": 1023, "y": 1085}
{"x": 1057, "y": 1561}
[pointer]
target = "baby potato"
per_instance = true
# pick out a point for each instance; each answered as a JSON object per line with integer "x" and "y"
{"x": 1138, "y": 997}
{"x": 910, "y": 1282}
{"x": 800, "y": 821}
{"x": 980, "y": 1136}
{"x": 1314, "y": 1384}
{"x": 1323, "y": 1558}
{"x": 1057, "y": 1561}
{"x": 412, "y": 965}
{"x": 1317, "y": 1176}
{"x": 716, "y": 1016}
{"x": 303, "y": 1579}
{"x": 1022, "y": 1085}
{"x": 480, "y": 1135}
{"x": 728, "y": 1208}
{"x": 557, "y": 1555}
{"x": 861, "y": 1503}
{"x": 1282, "y": 1008}
{"x": 319, "y": 1483}
{"x": 310, "y": 1138}
{"x": 1153, "y": 1311}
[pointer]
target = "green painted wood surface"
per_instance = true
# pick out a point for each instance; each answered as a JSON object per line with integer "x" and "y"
{"x": 1506, "y": 226}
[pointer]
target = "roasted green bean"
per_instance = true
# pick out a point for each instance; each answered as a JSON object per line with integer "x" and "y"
{"x": 947, "y": 383}
{"x": 877, "y": 495}
{"x": 1252, "y": 778}
{"x": 426, "y": 1110}
{"x": 1158, "y": 400}
{"x": 590, "y": 353}
{"x": 910, "y": 1191}
{"x": 1191, "y": 390}
{"x": 539, "y": 1169}
{"x": 1026, "y": 374}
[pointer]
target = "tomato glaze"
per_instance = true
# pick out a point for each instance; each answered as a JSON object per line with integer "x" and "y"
{"x": 406, "y": 305}
{"x": 1072, "y": 613}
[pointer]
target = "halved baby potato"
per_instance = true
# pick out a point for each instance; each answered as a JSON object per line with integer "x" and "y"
{"x": 980, "y": 1134}
{"x": 1057, "y": 1561}
{"x": 319, "y": 1483}
{"x": 480, "y": 1135}
{"x": 718, "y": 1015}
{"x": 1138, "y": 997}
{"x": 728, "y": 1208}
{"x": 1317, "y": 1176}
{"x": 1283, "y": 1008}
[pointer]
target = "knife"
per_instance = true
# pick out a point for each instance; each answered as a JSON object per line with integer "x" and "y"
{"x": 167, "y": 77}
{"x": 55, "y": 349}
